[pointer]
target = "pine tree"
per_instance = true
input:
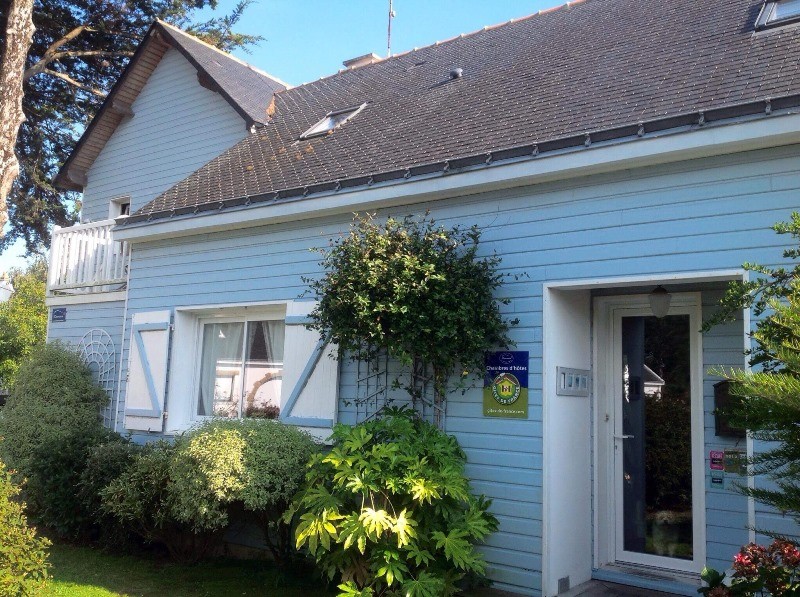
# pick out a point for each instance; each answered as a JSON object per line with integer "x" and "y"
{"x": 768, "y": 402}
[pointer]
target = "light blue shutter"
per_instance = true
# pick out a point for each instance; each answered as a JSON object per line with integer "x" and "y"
{"x": 310, "y": 374}
{"x": 147, "y": 371}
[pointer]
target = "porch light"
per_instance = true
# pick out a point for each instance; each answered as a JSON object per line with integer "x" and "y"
{"x": 659, "y": 301}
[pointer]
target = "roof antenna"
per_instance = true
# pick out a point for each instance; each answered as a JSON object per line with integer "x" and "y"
{"x": 392, "y": 14}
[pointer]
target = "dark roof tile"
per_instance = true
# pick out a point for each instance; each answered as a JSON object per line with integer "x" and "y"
{"x": 585, "y": 67}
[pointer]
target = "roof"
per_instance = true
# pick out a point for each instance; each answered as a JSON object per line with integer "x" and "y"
{"x": 565, "y": 77}
{"x": 247, "y": 89}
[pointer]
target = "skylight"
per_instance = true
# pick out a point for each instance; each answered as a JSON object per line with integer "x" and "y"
{"x": 332, "y": 120}
{"x": 779, "y": 12}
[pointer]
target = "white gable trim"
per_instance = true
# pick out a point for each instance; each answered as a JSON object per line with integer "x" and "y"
{"x": 712, "y": 139}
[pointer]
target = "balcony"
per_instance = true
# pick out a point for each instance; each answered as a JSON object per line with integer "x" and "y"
{"x": 85, "y": 260}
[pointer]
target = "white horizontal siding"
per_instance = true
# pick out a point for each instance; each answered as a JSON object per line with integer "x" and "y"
{"x": 177, "y": 127}
{"x": 703, "y": 215}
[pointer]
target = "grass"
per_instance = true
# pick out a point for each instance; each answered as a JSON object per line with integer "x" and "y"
{"x": 86, "y": 572}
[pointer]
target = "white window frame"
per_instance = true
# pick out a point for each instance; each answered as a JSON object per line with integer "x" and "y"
{"x": 115, "y": 207}
{"x": 318, "y": 129}
{"x": 187, "y": 354}
{"x": 767, "y": 18}
{"x": 223, "y": 318}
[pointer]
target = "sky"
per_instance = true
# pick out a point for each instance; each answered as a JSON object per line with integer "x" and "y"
{"x": 308, "y": 39}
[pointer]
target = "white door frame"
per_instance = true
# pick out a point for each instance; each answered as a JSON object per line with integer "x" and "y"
{"x": 607, "y": 310}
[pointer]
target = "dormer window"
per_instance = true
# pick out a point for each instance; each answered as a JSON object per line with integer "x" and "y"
{"x": 121, "y": 206}
{"x": 331, "y": 121}
{"x": 779, "y": 12}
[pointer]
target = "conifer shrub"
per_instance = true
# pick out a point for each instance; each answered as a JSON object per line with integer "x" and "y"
{"x": 23, "y": 555}
{"x": 767, "y": 404}
{"x": 48, "y": 425}
{"x": 389, "y": 510}
{"x": 767, "y": 399}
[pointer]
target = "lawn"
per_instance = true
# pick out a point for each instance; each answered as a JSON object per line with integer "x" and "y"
{"x": 85, "y": 572}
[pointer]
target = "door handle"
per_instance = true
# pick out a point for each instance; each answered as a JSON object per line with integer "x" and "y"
{"x": 623, "y": 437}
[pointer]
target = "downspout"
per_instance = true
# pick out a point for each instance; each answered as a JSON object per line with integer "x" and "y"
{"x": 122, "y": 344}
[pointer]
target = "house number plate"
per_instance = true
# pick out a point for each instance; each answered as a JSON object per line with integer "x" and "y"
{"x": 573, "y": 382}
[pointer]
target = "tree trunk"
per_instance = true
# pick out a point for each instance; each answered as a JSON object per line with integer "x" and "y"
{"x": 18, "y": 35}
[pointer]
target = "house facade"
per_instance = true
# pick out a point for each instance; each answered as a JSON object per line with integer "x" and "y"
{"x": 606, "y": 149}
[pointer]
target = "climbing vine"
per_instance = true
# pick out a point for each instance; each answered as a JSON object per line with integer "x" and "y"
{"x": 414, "y": 289}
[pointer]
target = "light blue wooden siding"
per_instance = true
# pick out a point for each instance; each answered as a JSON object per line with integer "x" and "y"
{"x": 696, "y": 216}
{"x": 177, "y": 127}
{"x": 726, "y": 510}
{"x": 82, "y": 318}
{"x": 107, "y": 316}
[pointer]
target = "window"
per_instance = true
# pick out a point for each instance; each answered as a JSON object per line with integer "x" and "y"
{"x": 243, "y": 360}
{"x": 779, "y": 12}
{"x": 241, "y": 368}
{"x": 331, "y": 121}
{"x": 121, "y": 206}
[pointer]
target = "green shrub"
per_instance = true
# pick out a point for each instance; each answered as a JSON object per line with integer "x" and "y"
{"x": 49, "y": 423}
{"x": 143, "y": 499}
{"x": 105, "y": 463}
{"x": 414, "y": 289}
{"x": 23, "y": 555}
{"x": 259, "y": 464}
{"x": 207, "y": 475}
{"x": 181, "y": 495}
{"x": 389, "y": 509}
{"x": 767, "y": 401}
{"x": 23, "y": 318}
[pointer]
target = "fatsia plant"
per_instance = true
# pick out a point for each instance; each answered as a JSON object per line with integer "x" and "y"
{"x": 389, "y": 510}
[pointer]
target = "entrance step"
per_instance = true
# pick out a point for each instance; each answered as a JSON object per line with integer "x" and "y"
{"x": 663, "y": 582}
{"x": 601, "y": 588}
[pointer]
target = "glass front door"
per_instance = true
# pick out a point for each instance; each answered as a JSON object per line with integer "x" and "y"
{"x": 656, "y": 440}
{"x": 650, "y": 442}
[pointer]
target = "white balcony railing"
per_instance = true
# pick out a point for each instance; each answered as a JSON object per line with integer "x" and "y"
{"x": 85, "y": 259}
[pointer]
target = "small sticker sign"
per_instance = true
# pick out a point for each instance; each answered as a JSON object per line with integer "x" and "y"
{"x": 727, "y": 468}
{"x": 59, "y": 314}
{"x": 505, "y": 389}
{"x": 736, "y": 462}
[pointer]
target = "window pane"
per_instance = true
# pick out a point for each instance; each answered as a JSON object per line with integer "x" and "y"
{"x": 220, "y": 370}
{"x": 787, "y": 9}
{"x": 263, "y": 370}
{"x": 656, "y": 471}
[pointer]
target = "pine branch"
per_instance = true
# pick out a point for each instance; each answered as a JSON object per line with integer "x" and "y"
{"x": 52, "y": 50}
{"x": 74, "y": 83}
